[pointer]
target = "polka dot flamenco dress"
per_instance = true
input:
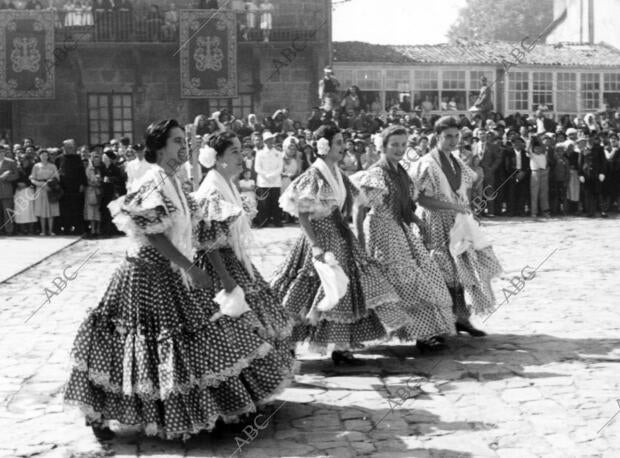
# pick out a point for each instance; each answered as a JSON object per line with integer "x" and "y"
{"x": 266, "y": 317}
{"x": 370, "y": 307}
{"x": 148, "y": 354}
{"x": 472, "y": 271}
{"x": 404, "y": 259}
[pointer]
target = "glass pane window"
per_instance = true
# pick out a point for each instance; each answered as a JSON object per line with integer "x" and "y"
{"x": 590, "y": 91}
{"x": 542, "y": 90}
{"x": 425, "y": 79}
{"x": 110, "y": 116}
{"x": 397, "y": 80}
{"x": 518, "y": 90}
{"x": 611, "y": 90}
{"x": 453, "y": 79}
{"x": 566, "y": 93}
{"x": 368, "y": 79}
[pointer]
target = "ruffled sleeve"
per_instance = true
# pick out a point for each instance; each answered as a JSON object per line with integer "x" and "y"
{"x": 469, "y": 176}
{"x": 195, "y": 210}
{"x": 213, "y": 231}
{"x": 249, "y": 206}
{"x": 371, "y": 185}
{"x": 422, "y": 175}
{"x": 309, "y": 193}
{"x": 145, "y": 211}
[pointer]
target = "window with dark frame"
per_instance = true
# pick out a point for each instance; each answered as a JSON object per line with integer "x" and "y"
{"x": 239, "y": 107}
{"x": 109, "y": 116}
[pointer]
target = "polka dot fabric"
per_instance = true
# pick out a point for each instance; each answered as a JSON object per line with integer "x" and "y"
{"x": 149, "y": 355}
{"x": 474, "y": 269}
{"x": 404, "y": 259}
{"x": 370, "y": 307}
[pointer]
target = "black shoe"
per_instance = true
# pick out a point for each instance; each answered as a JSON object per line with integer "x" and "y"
{"x": 433, "y": 344}
{"x": 468, "y": 328}
{"x": 102, "y": 433}
{"x": 346, "y": 358}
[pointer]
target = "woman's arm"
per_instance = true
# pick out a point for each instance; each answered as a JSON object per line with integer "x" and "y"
{"x": 435, "y": 204}
{"x": 359, "y": 215}
{"x": 306, "y": 227}
{"x": 170, "y": 252}
{"x": 216, "y": 261}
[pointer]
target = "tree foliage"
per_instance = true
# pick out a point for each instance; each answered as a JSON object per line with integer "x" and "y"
{"x": 505, "y": 20}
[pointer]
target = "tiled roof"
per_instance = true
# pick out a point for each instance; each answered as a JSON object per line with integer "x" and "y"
{"x": 492, "y": 53}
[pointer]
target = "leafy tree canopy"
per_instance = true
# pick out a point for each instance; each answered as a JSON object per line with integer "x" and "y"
{"x": 505, "y": 20}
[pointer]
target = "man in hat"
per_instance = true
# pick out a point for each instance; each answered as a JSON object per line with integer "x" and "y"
{"x": 268, "y": 165}
{"x": 8, "y": 175}
{"x": 73, "y": 182}
{"x": 517, "y": 171}
{"x": 328, "y": 90}
{"x": 488, "y": 152}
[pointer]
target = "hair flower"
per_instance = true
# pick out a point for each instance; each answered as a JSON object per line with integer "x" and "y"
{"x": 323, "y": 147}
{"x": 207, "y": 156}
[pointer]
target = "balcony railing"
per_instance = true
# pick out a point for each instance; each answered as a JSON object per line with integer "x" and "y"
{"x": 127, "y": 26}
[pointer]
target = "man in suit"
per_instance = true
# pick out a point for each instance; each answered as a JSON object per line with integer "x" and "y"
{"x": 489, "y": 154}
{"x": 73, "y": 182}
{"x": 592, "y": 168}
{"x": 517, "y": 172}
{"x": 8, "y": 175}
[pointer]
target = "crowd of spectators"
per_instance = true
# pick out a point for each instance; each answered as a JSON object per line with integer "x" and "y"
{"x": 527, "y": 165}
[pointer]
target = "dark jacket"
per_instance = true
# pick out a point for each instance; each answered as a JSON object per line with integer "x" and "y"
{"x": 72, "y": 173}
{"x": 7, "y": 183}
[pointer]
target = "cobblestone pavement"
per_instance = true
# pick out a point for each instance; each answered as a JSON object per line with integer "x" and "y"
{"x": 545, "y": 382}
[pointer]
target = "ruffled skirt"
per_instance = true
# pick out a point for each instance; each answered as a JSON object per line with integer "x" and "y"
{"x": 267, "y": 316}
{"x": 414, "y": 275}
{"x": 370, "y": 308}
{"x": 472, "y": 270}
{"x": 149, "y": 356}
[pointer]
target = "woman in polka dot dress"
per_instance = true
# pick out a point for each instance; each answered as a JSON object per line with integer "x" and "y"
{"x": 388, "y": 236}
{"x": 443, "y": 181}
{"x": 223, "y": 238}
{"x": 149, "y": 355}
{"x": 370, "y": 307}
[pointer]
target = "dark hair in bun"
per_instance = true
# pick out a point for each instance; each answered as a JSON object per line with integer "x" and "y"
{"x": 156, "y": 137}
{"x": 328, "y": 131}
{"x": 221, "y": 141}
{"x": 445, "y": 123}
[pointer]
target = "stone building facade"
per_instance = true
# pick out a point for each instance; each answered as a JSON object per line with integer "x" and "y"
{"x": 106, "y": 88}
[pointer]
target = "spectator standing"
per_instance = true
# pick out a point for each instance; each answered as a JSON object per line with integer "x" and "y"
{"x": 24, "y": 196}
{"x": 269, "y": 165}
{"x": 44, "y": 208}
{"x": 92, "y": 200}
{"x": 490, "y": 157}
{"x": 539, "y": 181}
{"x": 328, "y": 90}
{"x": 8, "y": 175}
{"x": 484, "y": 103}
{"x": 247, "y": 187}
{"x": 73, "y": 181}
{"x": 592, "y": 173}
{"x": 573, "y": 156}
{"x": 290, "y": 165}
{"x": 516, "y": 166}
{"x": 611, "y": 184}
{"x": 111, "y": 188}
{"x": 558, "y": 180}
{"x": 266, "y": 19}
{"x": 251, "y": 15}
{"x": 171, "y": 23}
{"x": 136, "y": 168}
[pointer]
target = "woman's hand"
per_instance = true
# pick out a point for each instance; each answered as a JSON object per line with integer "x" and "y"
{"x": 229, "y": 283}
{"x": 199, "y": 277}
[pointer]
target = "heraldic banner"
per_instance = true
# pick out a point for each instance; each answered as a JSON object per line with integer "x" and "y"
{"x": 208, "y": 49}
{"x": 26, "y": 54}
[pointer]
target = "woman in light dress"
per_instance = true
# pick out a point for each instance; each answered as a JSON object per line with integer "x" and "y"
{"x": 44, "y": 209}
{"x": 92, "y": 194}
